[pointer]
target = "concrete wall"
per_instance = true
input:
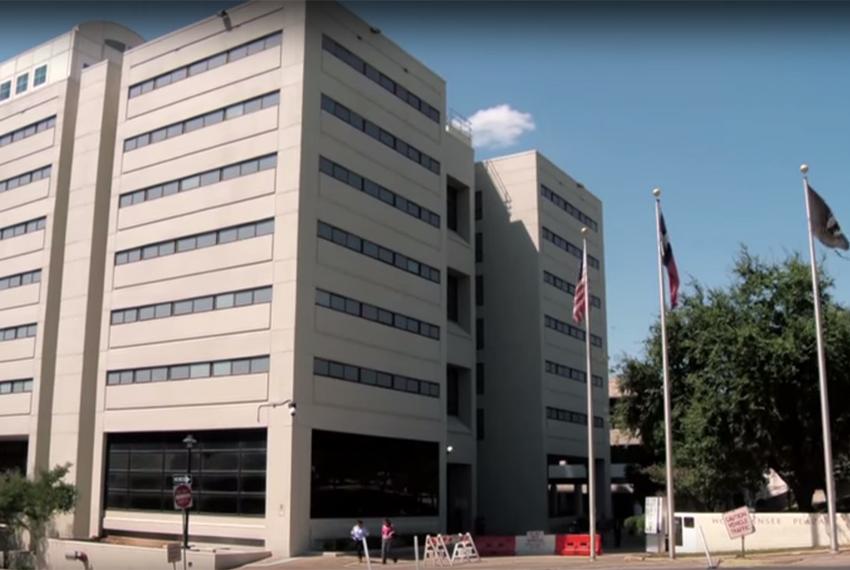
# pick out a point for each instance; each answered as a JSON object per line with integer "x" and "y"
{"x": 772, "y": 531}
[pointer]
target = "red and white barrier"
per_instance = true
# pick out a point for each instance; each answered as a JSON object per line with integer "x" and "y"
{"x": 537, "y": 544}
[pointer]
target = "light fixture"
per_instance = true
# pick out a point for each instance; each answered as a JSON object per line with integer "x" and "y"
{"x": 449, "y": 449}
{"x": 288, "y": 403}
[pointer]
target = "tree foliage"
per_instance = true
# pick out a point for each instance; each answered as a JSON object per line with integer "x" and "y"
{"x": 29, "y": 504}
{"x": 744, "y": 384}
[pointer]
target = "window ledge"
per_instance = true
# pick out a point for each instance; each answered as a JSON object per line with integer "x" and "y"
{"x": 455, "y": 425}
{"x": 457, "y": 330}
{"x": 457, "y": 238}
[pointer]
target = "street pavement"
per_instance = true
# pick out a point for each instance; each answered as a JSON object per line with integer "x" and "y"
{"x": 799, "y": 560}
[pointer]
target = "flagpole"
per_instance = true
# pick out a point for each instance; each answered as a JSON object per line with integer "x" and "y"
{"x": 591, "y": 456}
{"x": 824, "y": 395}
{"x": 668, "y": 436}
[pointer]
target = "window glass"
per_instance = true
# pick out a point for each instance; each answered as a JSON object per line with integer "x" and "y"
{"x": 242, "y": 366}
{"x": 40, "y": 75}
{"x": 224, "y": 301}
{"x": 200, "y": 370}
{"x": 202, "y": 304}
{"x": 22, "y": 83}
{"x": 221, "y": 368}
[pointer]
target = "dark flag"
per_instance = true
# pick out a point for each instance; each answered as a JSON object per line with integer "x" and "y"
{"x": 824, "y": 225}
{"x": 579, "y": 295}
{"x": 669, "y": 263}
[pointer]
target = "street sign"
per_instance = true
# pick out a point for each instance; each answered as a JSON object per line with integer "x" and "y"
{"x": 738, "y": 523}
{"x": 654, "y": 516}
{"x": 182, "y": 478}
{"x": 182, "y": 496}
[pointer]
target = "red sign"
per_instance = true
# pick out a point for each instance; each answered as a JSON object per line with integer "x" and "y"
{"x": 183, "y": 496}
{"x": 738, "y": 522}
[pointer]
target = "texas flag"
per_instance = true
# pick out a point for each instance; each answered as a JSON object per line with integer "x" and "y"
{"x": 669, "y": 263}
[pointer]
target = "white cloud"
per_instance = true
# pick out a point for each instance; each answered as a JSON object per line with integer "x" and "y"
{"x": 499, "y": 126}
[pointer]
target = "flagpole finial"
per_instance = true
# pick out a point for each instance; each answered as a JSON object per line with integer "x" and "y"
{"x": 656, "y": 192}
{"x": 804, "y": 168}
{"x": 584, "y": 231}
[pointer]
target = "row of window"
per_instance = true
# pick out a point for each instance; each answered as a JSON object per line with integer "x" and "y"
{"x": 20, "y": 331}
{"x": 570, "y": 330}
{"x": 376, "y": 314}
{"x": 207, "y": 178}
{"x": 370, "y": 377}
{"x": 20, "y": 279}
{"x": 201, "y": 121}
{"x": 560, "y": 415}
{"x": 571, "y": 373}
{"x": 374, "y": 131}
{"x": 22, "y": 82}
{"x": 192, "y": 371}
{"x": 228, "y": 471}
{"x": 197, "y": 241}
{"x": 573, "y": 250}
{"x": 568, "y": 287}
{"x": 27, "y": 131}
{"x": 378, "y": 192}
{"x": 344, "y": 54}
{"x": 206, "y": 64}
{"x": 194, "y": 305}
{"x": 26, "y": 178}
{"x": 379, "y": 252}
{"x": 15, "y": 386}
{"x": 559, "y": 201}
{"x": 23, "y": 228}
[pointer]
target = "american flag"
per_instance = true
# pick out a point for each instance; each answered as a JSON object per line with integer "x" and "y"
{"x": 580, "y": 294}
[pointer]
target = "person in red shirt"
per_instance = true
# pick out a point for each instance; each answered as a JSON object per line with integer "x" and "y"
{"x": 387, "y": 534}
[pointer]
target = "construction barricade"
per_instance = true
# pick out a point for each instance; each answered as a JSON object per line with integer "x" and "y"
{"x": 576, "y": 544}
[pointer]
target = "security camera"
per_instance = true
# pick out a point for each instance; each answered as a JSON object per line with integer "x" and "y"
{"x": 225, "y": 17}
{"x": 292, "y": 410}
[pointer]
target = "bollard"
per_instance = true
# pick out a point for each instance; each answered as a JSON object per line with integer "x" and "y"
{"x": 416, "y": 550}
{"x": 366, "y": 552}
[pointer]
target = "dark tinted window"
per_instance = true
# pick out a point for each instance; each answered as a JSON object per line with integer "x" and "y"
{"x": 363, "y": 476}
{"x": 228, "y": 471}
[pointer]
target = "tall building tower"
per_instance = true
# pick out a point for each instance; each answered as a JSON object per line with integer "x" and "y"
{"x": 289, "y": 223}
{"x": 532, "y": 380}
{"x": 57, "y": 128}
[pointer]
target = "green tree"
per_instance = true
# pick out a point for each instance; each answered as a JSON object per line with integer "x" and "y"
{"x": 744, "y": 383}
{"x": 29, "y": 504}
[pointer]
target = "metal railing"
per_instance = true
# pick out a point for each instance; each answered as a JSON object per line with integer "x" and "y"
{"x": 459, "y": 126}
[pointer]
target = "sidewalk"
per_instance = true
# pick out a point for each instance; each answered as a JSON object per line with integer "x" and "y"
{"x": 795, "y": 558}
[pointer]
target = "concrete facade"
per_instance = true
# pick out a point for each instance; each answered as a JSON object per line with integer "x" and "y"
{"x": 267, "y": 207}
{"x": 532, "y": 399}
{"x": 55, "y": 133}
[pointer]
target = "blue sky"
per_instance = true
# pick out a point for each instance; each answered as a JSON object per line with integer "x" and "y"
{"x": 716, "y": 103}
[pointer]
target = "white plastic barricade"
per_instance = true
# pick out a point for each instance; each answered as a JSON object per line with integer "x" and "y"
{"x": 464, "y": 549}
{"x": 436, "y": 552}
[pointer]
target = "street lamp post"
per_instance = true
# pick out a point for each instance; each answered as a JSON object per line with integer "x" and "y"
{"x": 189, "y": 441}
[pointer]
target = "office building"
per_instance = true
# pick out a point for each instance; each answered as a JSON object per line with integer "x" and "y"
{"x": 260, "y": 231}
{"x": 532, "y": 377}
{"x": 246, "y": 211}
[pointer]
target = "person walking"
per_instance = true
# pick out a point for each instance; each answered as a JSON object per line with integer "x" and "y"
{"x": 387, "y": 535}
{"x": 358, "y": 534}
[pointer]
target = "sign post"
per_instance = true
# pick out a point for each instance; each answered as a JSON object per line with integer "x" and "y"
{"x": 183, "y": 501}
{"x": 739, "y": 524}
